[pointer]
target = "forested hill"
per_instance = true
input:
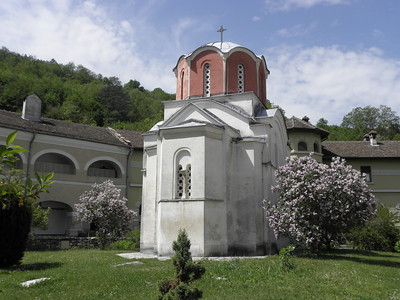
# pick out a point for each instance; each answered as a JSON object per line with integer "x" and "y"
{"x": 74, "y": 93}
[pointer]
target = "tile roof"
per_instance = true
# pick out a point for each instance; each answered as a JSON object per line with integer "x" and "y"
{"x": 361, "y": 149}
{"x": 295, "y": 123}
{"x": 71, "y": 130}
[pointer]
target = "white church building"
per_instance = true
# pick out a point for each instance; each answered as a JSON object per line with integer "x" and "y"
{"x": 210, "y": 163}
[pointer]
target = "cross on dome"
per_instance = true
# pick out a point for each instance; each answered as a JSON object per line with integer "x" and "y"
{"x": 221, "y": 30}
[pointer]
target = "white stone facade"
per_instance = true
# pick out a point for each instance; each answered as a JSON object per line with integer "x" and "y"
{"x": 228, "y": 148}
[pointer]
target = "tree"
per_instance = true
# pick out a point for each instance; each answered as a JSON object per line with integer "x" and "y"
{"x": 318, "y": 203}
{"x": 16, "y": 203}
{"x": 186, "y": 272}
{"x": 364, "y": 119}
{"x": 378, "y": 233}
{"x": 338, "y": 133}
{"x": 107, "y": 210}
{"x": 116, "y": 103}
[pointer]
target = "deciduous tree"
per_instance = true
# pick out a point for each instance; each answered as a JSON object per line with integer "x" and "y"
{"x": 364, "y": 119}
{"x": 317, "y": 203}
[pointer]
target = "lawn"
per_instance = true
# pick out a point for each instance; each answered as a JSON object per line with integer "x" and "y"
{"x": 90, "y": 274}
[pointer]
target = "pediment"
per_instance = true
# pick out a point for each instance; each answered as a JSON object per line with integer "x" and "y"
{"x": 191, "y": 115}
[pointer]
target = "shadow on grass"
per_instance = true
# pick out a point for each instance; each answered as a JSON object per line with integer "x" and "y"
{"x": 372, "y": 258}
{"x": 35, "y": 266}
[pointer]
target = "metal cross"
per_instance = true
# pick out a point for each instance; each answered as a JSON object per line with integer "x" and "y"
{"x": 221, "y": 30}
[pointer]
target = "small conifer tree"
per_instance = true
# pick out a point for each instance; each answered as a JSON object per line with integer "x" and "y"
{"x": 186, "y": 272}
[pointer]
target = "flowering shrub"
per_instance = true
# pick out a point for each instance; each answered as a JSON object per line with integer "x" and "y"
{"x": 107, "y": 210}
{"x": 16, "y": 203}
{"x": 317, "y": 203}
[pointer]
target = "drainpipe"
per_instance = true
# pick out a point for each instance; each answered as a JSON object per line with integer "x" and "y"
{"x": 131, "y": 150}
{"x": 28, "y": 169}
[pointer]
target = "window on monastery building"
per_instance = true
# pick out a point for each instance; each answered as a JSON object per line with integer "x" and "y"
{"x": 184, "y": 182}
{"x": 182, "y": 78}
{"x": 302, "y": 146}
{"x": 18, "y": 164}
{"x": 316, "y": 148}
{"x": 54, "y": 162}
{"x": 207, "y": 80}
{"x": 103, "y": 168}
{"x": 366, "y": 171}
{"x": 240, "y": 78}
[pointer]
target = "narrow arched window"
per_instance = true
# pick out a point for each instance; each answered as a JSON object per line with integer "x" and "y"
{"x": 207, "y": 80}
{"x": 188, "y": 189}
{"x": 240, "y": 78}
{"x": 302, "y": 146}
{"x": 316, "y": 148}
{"x": 182, "y": 77}
{"x": 183, "y": 186}
{"x": 180, "y": 182}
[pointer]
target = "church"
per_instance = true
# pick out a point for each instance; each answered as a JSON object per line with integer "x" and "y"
{"x": 208, "y": 166}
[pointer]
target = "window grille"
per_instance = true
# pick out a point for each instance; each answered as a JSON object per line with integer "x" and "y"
{"x": 184, "y": 182}
{"x": 240, "y": 78}
{"x": 207, "y": 80}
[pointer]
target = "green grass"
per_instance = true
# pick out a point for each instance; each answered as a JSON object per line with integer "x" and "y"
{"x": 89, "y": 274}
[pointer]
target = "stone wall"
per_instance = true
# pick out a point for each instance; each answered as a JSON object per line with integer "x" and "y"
{"x": 43, "y": 243}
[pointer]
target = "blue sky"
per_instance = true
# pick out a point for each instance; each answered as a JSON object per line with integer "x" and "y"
{"x": 326, "y": 57}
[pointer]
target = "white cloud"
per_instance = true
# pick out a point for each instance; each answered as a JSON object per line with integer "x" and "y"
{"x": 296, "y": 31}
{"x": 256, "y": 19}
{"x": 284, "y": 5}
{"x": 329, "y": 82}
{"x": 85, "y": 33}
{"x": 376, "y": 33}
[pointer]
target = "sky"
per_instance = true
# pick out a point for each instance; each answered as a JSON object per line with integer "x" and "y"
{"x": 326, "y": 57}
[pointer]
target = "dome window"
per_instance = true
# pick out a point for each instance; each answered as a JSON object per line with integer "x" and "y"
{"x": 207, "y": 80}
{"x": 240, "y": 78}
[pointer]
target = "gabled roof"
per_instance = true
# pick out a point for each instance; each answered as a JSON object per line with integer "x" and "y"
{"x": 59, "y": 128}
{"x": 295, "y": 124}
{"x": 201, "y": 110}
{"x": 361, "y": 149}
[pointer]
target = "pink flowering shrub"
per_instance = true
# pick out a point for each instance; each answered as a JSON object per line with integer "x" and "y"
{"x": 107, "y": 210}
{"x": 317, "y": 203}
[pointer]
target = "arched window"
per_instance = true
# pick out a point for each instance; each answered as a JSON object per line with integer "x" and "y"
{"x": 18, "y": 164}
{"x": 302, "y": 146}
{"x": 182, "y": 77}
{"x": 316, "y": 148}
{"x": 207, "y": 80}
{"x": 54, "y": 162}
{"x": 59, "y": 218}
{"x": 240, "y": 78}
{"x": 183, "y": 175}
{"x": 103, "y": 168}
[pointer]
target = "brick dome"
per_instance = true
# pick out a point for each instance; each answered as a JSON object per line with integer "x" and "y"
{"x": 220, "y": 68}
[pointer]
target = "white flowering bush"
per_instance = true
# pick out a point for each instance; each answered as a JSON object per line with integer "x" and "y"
{"x": 107, "y": 210}
{"x": 317, "y": 203}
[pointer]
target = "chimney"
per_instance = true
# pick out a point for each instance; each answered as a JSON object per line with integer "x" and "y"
{"x": 372, "y": 138}
{"x": 32, "y": 108}
{"x": 306, "y": 119}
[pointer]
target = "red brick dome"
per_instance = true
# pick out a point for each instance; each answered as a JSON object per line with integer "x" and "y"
{"x": 220, "y": 68}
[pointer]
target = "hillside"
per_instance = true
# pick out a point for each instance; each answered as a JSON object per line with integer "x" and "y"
{"x": 74, "y": 93}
